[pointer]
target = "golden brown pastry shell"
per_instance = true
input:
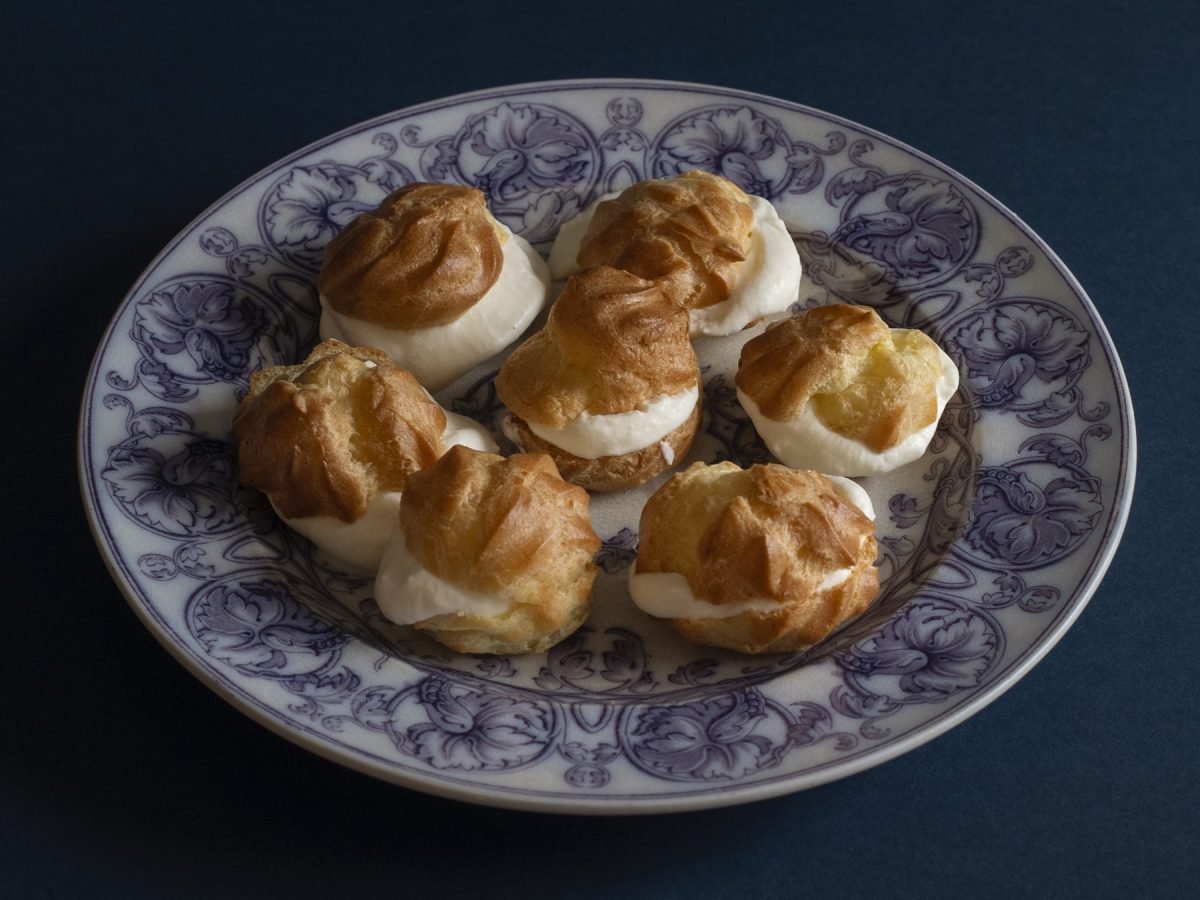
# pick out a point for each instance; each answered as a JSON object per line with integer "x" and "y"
{"x": 511, "y": 528}
{"x": 324, "y": 437}
{"x": 767, "y": 532}
{"x": 691, "y": 231}
{"x": 612, "y": 342}
{"x": 422, "y": 258}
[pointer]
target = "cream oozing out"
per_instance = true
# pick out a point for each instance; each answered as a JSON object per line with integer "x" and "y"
{"x": 805, "y": 442}
{"x": 854, "y": 493}
{"x": 439, "y": 354}
{"x": 667, "y": 595}
{"x": 359, "y": 545}
{"x": 564, "y": 253}
{"x": 593, "y": 436}
{"x": 407, "y": 593}
{"x": 766, "y": 284}
{"x": 467, "y": 432}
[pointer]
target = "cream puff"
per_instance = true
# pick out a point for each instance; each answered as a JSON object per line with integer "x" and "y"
{"x": 493, "y": 555}
{"x": 834, "y": 389}
{"x": 725, "y": 255}
{"x": 610, "y": 388}
{"x": 332, "y": 442}
{"x": 432, "y": 279}
{"x": 758, "y": 560}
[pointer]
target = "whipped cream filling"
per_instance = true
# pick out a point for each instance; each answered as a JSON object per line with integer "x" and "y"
{"x": 439, "y": 354}
{"x": 467, "y": 432}
{"x": 854, "y": 493}
{"x": 406, "y": 592}
{"x": 564, "y": 252}
{"x": 667, "y": 595}
{"x": 359, "y": 545}
{"x": 592, "y": 436}
{"x": 766, "y": 284}
{"x": 805, "y": 442}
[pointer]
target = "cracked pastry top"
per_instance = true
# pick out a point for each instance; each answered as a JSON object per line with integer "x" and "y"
{"x": 433, "y": 279}
{"x": 723, "y": 255}
{"x": 333, "y": 440}
{"x": 758, "y": 560}
{"x": 493, "y": 555}
{"x": 835, "y": 389}
{"x": 610, "y": 387}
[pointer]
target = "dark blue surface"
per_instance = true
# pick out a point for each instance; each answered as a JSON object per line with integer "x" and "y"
{"x": 121, "y": 773}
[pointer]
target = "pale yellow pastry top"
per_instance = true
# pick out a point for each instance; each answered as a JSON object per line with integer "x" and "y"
{"x": 865, "y": 381}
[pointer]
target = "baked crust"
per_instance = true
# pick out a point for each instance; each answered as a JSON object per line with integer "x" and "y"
{"x": 510, "y": 528}
{"x": 614, "y": 473}
{"x": 864, "y": 380}
{"x": 423, "y": 258}
{"x": 324, "y": 437}
{"x": 763, "y": 533}
{"x": 692, "y": 231}
{"x": 613, "y": 341}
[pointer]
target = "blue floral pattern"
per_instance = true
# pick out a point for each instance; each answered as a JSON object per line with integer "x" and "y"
{"x": 934, "y": 649}
{"x": 474, "y": 729}
{"x": 309, "y": 204}
{"x": 1036, "y": 510}
{"x": 1029, "y": 467}
{"x": 173, "y": 481}
{"x": 535, "y": 162}
{"x": 717, "y": 738}
{"x": 740, "y": 143}
{"x": 618, "y": 552}
{"x": 921, "y": 229}
{"x": 598, "y": 663}
{"x": 726, "y": 421}
{"x": 1025, "y": 355}
{"x": 257, "y": 626}
{"x": 195, "y": 332}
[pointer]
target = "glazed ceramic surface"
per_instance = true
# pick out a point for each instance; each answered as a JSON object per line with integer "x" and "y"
{"x": 991, "y": 544}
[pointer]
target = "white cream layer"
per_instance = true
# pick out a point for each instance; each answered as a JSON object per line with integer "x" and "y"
{"x": 359, "y": 545}
{"x": 439, "y": 354}
{"x": 766, "y": 284}
{"x": 667, "y": 595}
{"x": 592, "y": 436}
{"x": 806, "y": 442}
{"x": 406, "y": 592}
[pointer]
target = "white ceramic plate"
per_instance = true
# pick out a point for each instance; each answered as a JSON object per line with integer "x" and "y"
{"x": 991, "y": 544}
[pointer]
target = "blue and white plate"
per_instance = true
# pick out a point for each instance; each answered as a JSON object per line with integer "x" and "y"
{"x": 990, "y": 545}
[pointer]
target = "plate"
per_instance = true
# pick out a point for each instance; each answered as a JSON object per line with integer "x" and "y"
{"x": 991, "y": 544}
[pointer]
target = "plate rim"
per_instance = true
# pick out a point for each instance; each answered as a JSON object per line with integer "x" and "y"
{"x": 511, "y": 798}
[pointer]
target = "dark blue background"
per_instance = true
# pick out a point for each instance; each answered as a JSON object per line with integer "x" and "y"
{"x": 121, "y": 773}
